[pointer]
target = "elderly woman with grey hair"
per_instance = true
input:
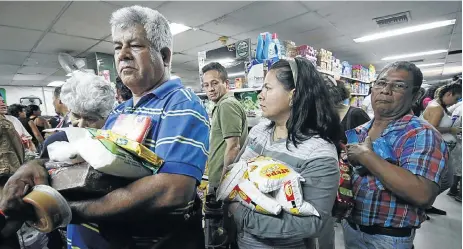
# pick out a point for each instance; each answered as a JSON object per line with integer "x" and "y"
{"x": 90, "y": 99}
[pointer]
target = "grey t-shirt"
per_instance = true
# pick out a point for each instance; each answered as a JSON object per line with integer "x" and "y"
{"x": 317, "y": 161}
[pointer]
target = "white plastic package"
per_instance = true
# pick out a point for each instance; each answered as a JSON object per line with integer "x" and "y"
{"x": 231, "y": 179}
{"x": 269, "y": 175}
{"x": 248, "y": 195}
{"x": 289, "y": 196}
{"x": 105, "y": 156}
{"x": 62, "y": 151}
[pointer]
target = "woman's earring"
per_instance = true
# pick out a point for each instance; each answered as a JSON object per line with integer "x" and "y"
{"x": 291, "y": 103}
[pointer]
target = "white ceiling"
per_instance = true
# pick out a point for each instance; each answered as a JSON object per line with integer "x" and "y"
{"x": 32, "y": 33}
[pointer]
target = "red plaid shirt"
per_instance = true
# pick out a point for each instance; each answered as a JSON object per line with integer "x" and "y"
{"x": 414, "y": 145}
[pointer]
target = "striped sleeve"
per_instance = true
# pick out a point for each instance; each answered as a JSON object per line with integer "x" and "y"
{"x": 183, "y": 139}
{"x": 424, "y": 154}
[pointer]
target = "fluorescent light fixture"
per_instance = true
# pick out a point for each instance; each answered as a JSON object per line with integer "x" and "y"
{"x": 406, "y": 30}
{"x": 177, "y": 28}
{"x": 236, "y": 74}
{"x": 56, "y": 83}
{"x": 402, "y": 56}
{"x": 174, "y": 77}
{"x": 431, "y": 64}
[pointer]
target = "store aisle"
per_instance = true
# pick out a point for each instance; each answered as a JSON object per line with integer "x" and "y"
{"x": 440, "y": 232}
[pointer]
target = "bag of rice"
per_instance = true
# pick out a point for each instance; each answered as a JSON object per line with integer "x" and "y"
{"x": 269, "y": 175}
{"x": 289, "y": 196}
{"x": 248, "y": 195}
{"x": 231, "y": 179}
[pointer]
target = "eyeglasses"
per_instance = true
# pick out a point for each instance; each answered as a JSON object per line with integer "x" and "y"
{"x": 395, "y": 86}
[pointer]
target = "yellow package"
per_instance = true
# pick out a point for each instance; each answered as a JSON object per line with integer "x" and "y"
{"x": 269, "y": 175}
{"x": 131, "y": 146}
{"x": 248, "y": 195}
{"x": 289, "y": 196}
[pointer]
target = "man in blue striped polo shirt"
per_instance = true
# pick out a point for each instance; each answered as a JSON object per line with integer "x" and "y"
{"x": 158, "y": 211}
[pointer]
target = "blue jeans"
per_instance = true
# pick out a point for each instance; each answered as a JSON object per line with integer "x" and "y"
{"x": 355, "y": 239}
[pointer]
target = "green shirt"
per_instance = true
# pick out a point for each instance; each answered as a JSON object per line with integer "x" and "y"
{"x": 228, "y": 120}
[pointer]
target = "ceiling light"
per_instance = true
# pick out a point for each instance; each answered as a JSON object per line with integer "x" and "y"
{"x": 174, "y": 77}
{"x": 177, "y": 28}
{"x": 56, "y": 83}
{"x": 224, "y": 60}
{"x": 406, "y": 30}
{"x": 236, "y": 74}
{"x": 402, "y": 56}
{"x": 431, "y": 64}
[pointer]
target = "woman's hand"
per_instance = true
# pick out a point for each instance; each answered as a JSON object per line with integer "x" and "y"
{"x": 355, "y": 152}
{"x": 31, "y": 174}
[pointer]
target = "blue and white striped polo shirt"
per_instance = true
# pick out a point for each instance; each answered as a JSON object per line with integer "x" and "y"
{"x": 179, "y": 131}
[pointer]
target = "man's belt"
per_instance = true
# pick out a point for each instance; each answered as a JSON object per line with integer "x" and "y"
{"x": 389, "y": 231}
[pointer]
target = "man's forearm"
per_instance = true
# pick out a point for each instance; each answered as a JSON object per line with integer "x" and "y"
{"x": 231, "y": 152}
{"x": 141, "y": 198}
{"x": 401, "y": 182}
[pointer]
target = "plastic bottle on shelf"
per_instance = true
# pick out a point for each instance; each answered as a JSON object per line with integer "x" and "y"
{"x": 260, "y": 49}
{"x": 278, "y": 45}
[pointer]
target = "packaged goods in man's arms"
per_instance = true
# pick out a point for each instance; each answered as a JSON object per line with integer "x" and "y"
{"x": 98, "y": 161}
{"x": 266, "y": 186}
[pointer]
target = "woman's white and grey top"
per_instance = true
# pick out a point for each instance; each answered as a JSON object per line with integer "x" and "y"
{"x": 317, "y": 161}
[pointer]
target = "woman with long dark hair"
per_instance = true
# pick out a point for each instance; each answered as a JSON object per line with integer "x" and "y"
{"x": 303, "y": 132}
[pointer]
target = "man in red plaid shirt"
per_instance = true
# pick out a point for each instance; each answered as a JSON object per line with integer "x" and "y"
{"x": 399, "y": 160}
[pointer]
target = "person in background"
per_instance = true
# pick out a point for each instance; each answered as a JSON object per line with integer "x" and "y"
{"x": 229, "y": 126}
{"x": 428, "y": 96}
{"x": 61, "y": 109}
{"x": 403, "y": 158}
{"x": 350, "y": 116}
{"x": 159, "y": 211}
{"x": 37, "y": 124}
{"x": 303, "y": 133}
{"x": 15, "y": 113}
{"x": 123, "y": 93}
{"x": 90, "y": 99}
{"x": 437, "y": 115}
{"x": 455, "y": 155}
{"x": 417, "y": 106}
{"x": 367, "y": 106}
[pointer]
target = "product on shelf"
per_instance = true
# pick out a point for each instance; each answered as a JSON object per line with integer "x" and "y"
{"x": 336, "y": 66}
{"x": 346, "y": 69}
{"x": 290, "y": 49}
{"x": 308, "y": 52}
{"x": 371, "y": 73}
{"x": 324, "y": 58}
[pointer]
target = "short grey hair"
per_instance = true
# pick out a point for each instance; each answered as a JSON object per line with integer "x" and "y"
{"x": 86, "y": 93}
{"x": 156, "y": 26}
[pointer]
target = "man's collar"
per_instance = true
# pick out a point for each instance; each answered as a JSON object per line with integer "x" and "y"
{"x": 398, "y": 124}
{"x": 160, "y": 92}
{"x": 167, "y": 87}
{"x": 225, "y": 96}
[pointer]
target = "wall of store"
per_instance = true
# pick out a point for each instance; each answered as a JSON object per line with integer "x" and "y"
{"x": 15, "y": 93}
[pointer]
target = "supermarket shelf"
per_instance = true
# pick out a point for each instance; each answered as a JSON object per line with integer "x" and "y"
{"x": 342, "y": 76}
{"x": 359, "y": 94}
{"x": 239, "y": 90}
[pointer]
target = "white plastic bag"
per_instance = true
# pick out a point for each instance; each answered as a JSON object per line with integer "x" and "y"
{"x": 248, "y": 195}
{"x": 290, "y": 197}
{"x": 269, "y": 175}
{"x": 62, "y": 151}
